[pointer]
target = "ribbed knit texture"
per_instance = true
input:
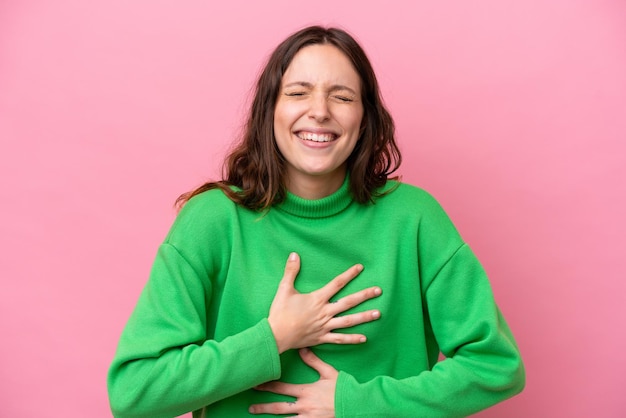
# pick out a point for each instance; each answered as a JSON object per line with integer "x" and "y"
{"x": 199, "y": 335}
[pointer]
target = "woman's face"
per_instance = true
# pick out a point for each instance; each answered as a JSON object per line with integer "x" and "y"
{"x": 317, "y": 119}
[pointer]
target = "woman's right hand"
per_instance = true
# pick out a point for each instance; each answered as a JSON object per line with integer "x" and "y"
{"x": 307, "y": 319}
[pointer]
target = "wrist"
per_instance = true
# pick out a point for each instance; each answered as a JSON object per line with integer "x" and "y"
{"x": 278, "y": 338}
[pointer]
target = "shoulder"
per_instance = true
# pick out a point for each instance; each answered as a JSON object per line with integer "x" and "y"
{"x": 406, "y": 190}
{"x": 413, "y": 205}
{"x": 203, "y": 216}
{"x": 214, "y": 200}
{"x": 407, "y": 197}
{"x": 437, "y": 236}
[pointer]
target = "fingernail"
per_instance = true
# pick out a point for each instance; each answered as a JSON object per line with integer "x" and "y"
{"x": 363, "y": 339}
{"x": 359, "y": 267}
{"x": 304, "y": 350}
{"x": 293, "y": 256}
{"x": 378, "y": 291}
{"x": 375, "y": 314}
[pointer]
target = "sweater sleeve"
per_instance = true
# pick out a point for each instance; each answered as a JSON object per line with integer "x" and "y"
{"x": 482, "y": 365}
{"x": 166, "y": 364}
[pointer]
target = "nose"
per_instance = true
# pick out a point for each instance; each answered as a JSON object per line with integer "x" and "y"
{"x": 318, "y": 109}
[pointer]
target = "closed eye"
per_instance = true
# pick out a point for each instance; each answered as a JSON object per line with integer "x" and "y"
{"x": 343, "y": 98}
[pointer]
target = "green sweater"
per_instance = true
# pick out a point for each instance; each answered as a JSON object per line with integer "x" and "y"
{"x": 199, "y": 338}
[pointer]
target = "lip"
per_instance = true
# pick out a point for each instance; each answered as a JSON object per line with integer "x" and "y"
{"x": 313, "y": 133}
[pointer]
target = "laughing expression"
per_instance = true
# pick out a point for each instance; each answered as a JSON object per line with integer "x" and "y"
{"x": 317, "y": 119}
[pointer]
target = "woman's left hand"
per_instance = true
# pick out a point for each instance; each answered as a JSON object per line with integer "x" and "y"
{"x": 312, "y": 399}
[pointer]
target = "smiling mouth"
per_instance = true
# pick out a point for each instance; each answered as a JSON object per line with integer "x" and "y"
{"x": 313, "y": 137}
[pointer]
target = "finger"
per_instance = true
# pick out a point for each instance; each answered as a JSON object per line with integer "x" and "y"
{"x": 291, "y": 270}
{"x": 325, "y": 370}
{"x": 282, "y": 388}
{"x": 274, "y": 408}
{"x": 355, "y": 299}
{"x": 339, "y": 282}
{"x": 340, "y": 338}
{"x": 351, "y": 320}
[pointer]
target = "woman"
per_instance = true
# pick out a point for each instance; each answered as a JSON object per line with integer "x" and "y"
{"x": 377, "y": 281}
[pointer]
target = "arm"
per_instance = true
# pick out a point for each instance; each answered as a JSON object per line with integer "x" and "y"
{"x": 482, "y": 368}
{"x": 482, "y": 365}
{"x": 166, "y": 365}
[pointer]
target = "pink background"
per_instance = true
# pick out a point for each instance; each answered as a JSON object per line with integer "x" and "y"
{"x": 512, "y": 113}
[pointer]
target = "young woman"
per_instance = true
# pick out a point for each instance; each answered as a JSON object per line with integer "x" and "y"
{"x": 376, "y": 281}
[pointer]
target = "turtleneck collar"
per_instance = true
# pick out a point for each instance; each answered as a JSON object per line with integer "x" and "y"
{"x": 318, "y": 208}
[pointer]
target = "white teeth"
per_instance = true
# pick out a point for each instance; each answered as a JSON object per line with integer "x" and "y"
{"x": 309, "y": 136}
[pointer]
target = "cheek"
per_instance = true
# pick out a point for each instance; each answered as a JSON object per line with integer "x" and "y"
{"x": 277, "y": 117}
{"x": 286, "y": 115}
{"x": 281, "y": 124}
{"x": 353, "y": 119}
{"x": 282, "y": 129}
{"x": 357, "y": 124}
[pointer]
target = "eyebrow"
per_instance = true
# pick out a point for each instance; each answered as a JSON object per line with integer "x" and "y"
{"x": 334, "y": 87}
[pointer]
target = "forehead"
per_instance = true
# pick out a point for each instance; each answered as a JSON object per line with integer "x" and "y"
{"x": 322, "y": 64}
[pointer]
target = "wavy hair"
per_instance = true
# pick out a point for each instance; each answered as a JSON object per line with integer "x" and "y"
{"x": 255, "y": 166}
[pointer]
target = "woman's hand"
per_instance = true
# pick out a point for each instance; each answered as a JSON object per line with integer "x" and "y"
{"x": 311, "y": 400}
{"x": 304, "y": 320}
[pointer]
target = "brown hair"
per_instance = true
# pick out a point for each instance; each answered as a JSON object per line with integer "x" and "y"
{"x": 256, "y": 167}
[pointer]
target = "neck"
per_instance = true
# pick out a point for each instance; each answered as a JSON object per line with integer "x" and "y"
{"x": 315, "y": 187}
